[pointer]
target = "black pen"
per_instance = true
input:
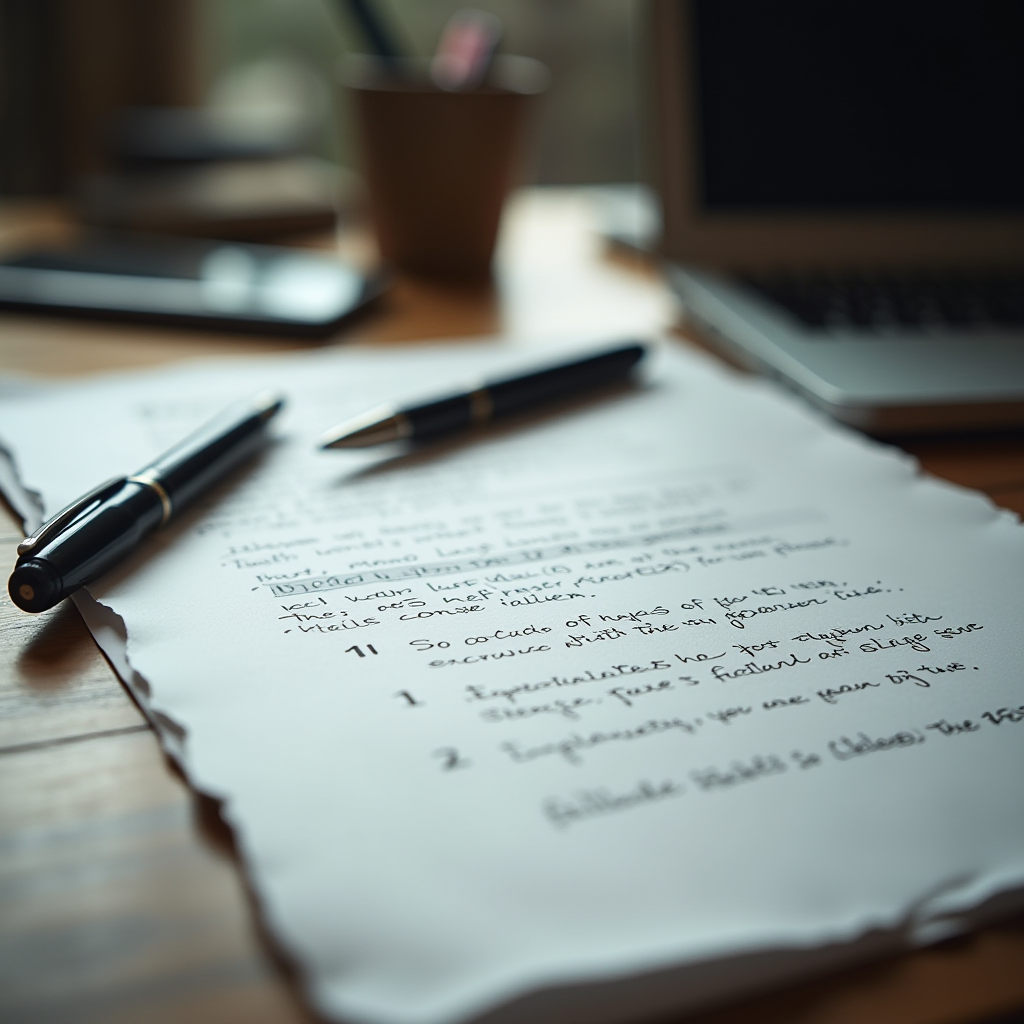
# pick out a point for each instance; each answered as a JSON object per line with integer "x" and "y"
{"x": 102, "y": 527}
{"x": 377, "y": 35}
{"x": 488, "y": 401}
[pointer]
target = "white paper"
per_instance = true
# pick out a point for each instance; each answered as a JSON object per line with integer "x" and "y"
{"x": 684, "y": 676}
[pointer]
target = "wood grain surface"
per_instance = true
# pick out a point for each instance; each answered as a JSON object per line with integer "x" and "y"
{"x": 122, "y": 898}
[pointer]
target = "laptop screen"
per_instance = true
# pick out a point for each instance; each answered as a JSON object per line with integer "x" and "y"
{"x": 871, "y": 104}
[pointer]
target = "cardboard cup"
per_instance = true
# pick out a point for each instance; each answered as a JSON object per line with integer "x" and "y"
{"x": 438, "y": 165}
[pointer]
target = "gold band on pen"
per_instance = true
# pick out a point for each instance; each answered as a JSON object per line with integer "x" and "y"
{"x": 148, "y": 480}
{"x": 481, "y": 405}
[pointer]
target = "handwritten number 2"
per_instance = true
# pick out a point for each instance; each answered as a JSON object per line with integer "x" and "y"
{"x": 359, "y": 650}
{"x": 451, "y": 759}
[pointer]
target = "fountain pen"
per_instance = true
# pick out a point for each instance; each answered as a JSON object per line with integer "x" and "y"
{"x": 486, "y": 402}
{"x": 104, "y": 526}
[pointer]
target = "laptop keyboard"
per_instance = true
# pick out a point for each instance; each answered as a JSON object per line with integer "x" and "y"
{"x": 913, "y": 301}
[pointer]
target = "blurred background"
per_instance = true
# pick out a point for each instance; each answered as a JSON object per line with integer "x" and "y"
{"x": 267, "y": 69}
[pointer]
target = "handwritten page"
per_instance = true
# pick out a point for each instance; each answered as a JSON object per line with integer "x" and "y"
{"x": 683, "y": 677}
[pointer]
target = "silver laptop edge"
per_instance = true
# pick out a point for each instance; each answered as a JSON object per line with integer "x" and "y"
{"x": 883, "y": 381}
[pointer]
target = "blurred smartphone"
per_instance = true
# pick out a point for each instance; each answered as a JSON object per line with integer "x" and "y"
{"x": 226, "y": 285}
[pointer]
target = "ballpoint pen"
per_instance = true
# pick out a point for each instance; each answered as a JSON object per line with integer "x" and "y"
{"x": 102, "y": 527}
{"x": 377, "y": 35}
{"x": 488, "y": 401}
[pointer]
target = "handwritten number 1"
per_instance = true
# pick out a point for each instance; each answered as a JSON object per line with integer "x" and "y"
{"x": 359, "y": 650}
{"x": 412, "y": 701}
{"x": 451, "y": 759}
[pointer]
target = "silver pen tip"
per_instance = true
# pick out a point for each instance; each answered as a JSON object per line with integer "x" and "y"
{"x": 379, "y": 426}
{"x": 268, "y": 404}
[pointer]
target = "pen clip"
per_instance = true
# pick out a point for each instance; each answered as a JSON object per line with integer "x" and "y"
{"x": 52, "y": 527}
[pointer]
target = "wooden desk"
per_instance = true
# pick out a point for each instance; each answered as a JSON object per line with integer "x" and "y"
{"x": 120, "y": 894}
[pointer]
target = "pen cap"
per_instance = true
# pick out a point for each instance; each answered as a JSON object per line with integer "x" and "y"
{"x": 438, "y": 164}
{"x": 201, "y": 459}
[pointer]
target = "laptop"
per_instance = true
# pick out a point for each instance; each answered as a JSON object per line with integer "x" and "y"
{"x": 842, "y": 192}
